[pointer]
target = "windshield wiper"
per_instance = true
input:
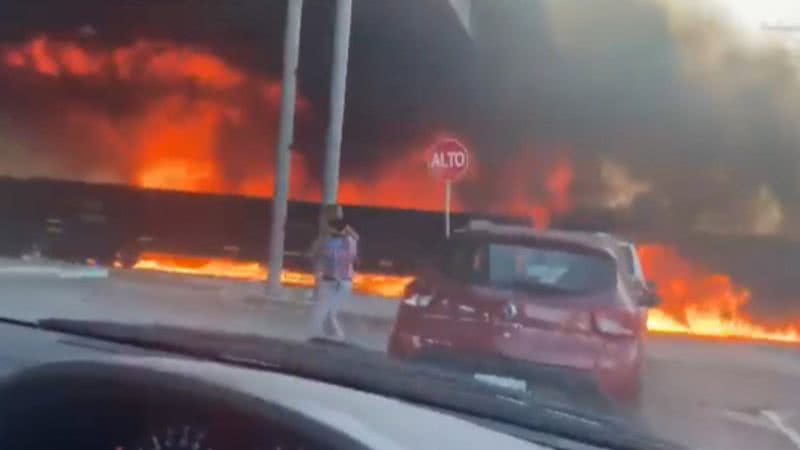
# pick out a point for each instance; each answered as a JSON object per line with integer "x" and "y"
{"x": 373, "y": 372}
{"x": 536, "y": 287}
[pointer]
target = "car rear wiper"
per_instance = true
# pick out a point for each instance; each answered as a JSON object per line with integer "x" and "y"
{"x": 373, "y": 372}
{"x": 536, "y": 287}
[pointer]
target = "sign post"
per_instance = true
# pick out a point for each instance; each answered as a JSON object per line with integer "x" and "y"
{"x": 447, "y": 193}
{"x": 448, "y": 160}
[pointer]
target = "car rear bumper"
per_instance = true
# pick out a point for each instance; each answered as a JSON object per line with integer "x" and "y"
{"x": 561, "y": 385}
{"x": 615, "y": 374}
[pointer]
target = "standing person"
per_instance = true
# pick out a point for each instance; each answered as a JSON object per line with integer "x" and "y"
{"x": 334, "y": 255}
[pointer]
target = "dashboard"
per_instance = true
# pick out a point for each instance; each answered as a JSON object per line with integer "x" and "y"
{"x": 91, "y": 406}
{"x": 62, "y": 392}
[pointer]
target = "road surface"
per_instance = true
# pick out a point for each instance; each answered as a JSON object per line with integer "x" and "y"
{"x": 709, "y": 395}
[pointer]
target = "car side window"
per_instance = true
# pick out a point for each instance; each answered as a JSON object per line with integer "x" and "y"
{"x": 468, "y": 262}
{"x": 630, "y": 265}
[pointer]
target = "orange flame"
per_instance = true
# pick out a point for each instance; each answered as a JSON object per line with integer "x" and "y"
{"x": 538, "y": 189}
{"x": 391, "y": 286}
{"x": 696, "y": 301}
{"x": 399, "y": 183}
{"x": 395, "y": 184}
{"x": 190, "y": 102}
{"x": 143, "y": 61}
{"x": 175, "y": 138}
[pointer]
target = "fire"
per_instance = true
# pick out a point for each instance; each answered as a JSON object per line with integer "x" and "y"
{"x": 394, "y": 184}
{"x": 193, "y": 107}
{"x": 699, "y": 302}
{"x": 142, "y": 61}
{"x": 185, "y": 109}
{"x": 199, "y": 123}
{"x": 695, "y": 301}
{"x": 177, "y": 146}
{"x": 196, "y": 114}
{"x": 399, "y": 183}
{"x": 390, "y": 286}
{"x": 539, "y": 189}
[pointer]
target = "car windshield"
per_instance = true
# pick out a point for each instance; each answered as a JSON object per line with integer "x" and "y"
{"x": 534, "y": 269}
{"x": 589, "y": 210}
{"x": 568, "y": 272}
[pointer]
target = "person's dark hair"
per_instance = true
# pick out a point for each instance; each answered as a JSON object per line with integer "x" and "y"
{"x": 337, "y": 225}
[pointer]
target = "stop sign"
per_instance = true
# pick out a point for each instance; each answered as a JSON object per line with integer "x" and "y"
{"x": 448, "y": 160}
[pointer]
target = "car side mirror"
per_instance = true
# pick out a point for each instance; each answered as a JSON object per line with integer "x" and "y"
{"x": 650, "y": 296}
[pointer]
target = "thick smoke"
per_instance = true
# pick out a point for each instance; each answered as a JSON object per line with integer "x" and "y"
{"x": 675, "y": 98}
{"x": 647, "y": 107}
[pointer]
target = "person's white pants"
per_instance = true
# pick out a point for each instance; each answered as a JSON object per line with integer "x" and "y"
{"x": 328, "y": 298}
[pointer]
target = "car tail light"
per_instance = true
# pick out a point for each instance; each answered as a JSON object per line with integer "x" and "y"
{"x": 419, "y": 301}
{"x": 612, "y": 324}
{"x": 413, "y": 295}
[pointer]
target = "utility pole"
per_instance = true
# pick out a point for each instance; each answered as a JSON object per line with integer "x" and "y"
{"x": 333, "y": 138}
{"x": 280, "y": 195}
{"x": 789, "y": 31}
{"x": 333, "y": 143}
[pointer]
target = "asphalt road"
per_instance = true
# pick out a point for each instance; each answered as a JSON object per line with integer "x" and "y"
{"x": 709, "y": 395}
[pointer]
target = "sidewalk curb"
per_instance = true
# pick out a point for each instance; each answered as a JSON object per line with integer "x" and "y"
{"x": 262, "y": 301}
{"x": 77, "y": 272}
{"x": 254, "y": 296}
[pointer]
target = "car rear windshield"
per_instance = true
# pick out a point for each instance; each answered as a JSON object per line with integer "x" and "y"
{"x": 534, "y": 268}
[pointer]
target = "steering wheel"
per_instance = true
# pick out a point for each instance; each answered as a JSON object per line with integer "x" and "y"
{"x": 104, "y": 406}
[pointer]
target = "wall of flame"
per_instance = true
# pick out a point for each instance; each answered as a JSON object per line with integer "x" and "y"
{"x": 198, "y": 111}
{"x": 197, "y": 120}
{"x": 695, "y": 301}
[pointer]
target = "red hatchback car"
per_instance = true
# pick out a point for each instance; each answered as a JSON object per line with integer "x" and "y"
{"x": 551, "y": 298}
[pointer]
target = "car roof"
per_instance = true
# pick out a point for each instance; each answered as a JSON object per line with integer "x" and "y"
{"x": 602, "y": 242}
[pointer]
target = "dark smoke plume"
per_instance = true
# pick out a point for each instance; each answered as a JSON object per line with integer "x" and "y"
{"x": 663, "y": 114}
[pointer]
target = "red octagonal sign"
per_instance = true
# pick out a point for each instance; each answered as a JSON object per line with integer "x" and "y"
{"x": 448, "y": 160}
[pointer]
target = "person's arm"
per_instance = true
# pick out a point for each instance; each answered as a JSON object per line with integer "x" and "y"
{"x": 353, "y": 240}
{"x": 313, "y": 250}
{"x": 349, "y": 231}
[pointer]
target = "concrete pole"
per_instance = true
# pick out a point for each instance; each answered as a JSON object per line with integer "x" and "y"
{"x": 280, "y": 196}
{"x": 341, "y": 49}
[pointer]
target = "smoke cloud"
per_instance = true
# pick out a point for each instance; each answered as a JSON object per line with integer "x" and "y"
{"x": 694, "y": 112}
{"x": 656, "y": 108}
